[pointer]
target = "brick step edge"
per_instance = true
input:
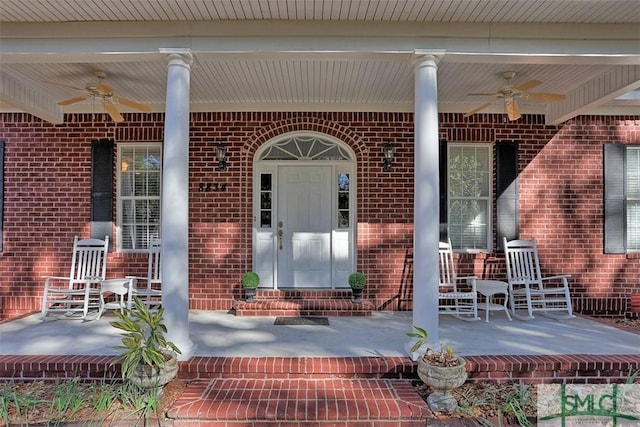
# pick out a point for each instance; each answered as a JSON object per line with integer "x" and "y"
{"x": 578, "y": 368}
{"x": 303, "y": 307}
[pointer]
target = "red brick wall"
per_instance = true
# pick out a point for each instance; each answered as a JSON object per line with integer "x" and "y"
{"x": 47, "y": 193}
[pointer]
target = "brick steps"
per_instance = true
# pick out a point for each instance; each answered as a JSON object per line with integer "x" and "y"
{"x": 293, "y": 402}
{"x": 303, "y": 303}
{"x": 296, "y": 391}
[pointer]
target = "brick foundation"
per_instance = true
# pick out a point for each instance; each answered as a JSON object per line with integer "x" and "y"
{"x": 580, "y": 369}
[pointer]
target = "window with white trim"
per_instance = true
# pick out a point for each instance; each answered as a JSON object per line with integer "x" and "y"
{"x": 139, "y": 178}
{"x": 469, "y": 180}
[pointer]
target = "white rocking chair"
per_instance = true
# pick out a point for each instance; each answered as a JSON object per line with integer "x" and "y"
{"x": 80, "y": 290}
{"x": 150, "y": 293}
{"x": 528, "y": 290}
{"x": 454, "y": 297}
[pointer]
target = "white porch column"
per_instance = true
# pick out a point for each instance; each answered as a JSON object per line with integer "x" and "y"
{"x": 175, "y": 202}
{"x": 426, "y": 202}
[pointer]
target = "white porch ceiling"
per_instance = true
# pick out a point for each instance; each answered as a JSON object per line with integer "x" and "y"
{"x": 321, "y": 55}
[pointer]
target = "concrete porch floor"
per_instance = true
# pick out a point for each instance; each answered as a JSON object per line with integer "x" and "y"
{"x": 249, "y": 372}
{"x": 220, "y": 334}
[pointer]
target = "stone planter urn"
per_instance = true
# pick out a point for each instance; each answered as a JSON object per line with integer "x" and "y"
{"x": 250, "y": 294}
{"x": 356, "y": 295}
{"x": 442, "y": 379}
{"x": 156, "y": 377}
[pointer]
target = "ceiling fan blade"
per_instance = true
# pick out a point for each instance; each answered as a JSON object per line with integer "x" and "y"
{"x": 513, "y": 110}
{"x": 475, "y": 110}
{"x": 546, "y": 97}
{"x": 481, "y": 94}
{"x": 133, "y": 104}
{"x": 113, "y": 112}
{"x": 527, "y": 85}
{"x": 72, "y": 100}
{"x": 106, "y": 89}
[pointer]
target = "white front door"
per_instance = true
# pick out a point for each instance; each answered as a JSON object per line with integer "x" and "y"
{"x": 304, "y": 227}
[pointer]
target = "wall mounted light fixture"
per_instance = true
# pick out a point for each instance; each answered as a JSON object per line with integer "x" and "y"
{"x": 221, "y": 154}
{"x": 388, "y": 151}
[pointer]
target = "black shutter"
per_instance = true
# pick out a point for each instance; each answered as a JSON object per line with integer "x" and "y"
{"x": 614, "y": 199}
{"x": 1, "y": 193}
{"x": 102, "y": 188}
{"x": 507, "y": 191}
{"x": 444, "y": 167}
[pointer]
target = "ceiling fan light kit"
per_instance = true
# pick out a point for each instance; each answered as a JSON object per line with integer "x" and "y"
{"x": 510, "y": 94}
{"x": 104, "y": 94}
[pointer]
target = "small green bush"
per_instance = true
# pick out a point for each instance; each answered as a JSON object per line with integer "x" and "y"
{"x": 250, "y": 279}
{"x": 357, "y": 280}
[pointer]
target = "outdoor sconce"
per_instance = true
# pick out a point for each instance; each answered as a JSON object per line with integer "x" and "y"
{"x": 221, "y": 155}
{"x": 388, "y": 151}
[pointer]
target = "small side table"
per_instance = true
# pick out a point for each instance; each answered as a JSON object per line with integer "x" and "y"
{"x": 489, "y": 288}
{"x": 117, "y": 287}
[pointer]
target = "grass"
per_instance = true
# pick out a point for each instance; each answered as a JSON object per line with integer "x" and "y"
{"x": 487, "y": 401}
{"x": 56, "y": 403}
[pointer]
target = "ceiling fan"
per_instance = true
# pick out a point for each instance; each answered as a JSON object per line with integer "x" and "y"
{"x": 510, "y": 94}
{"x": 103, "y": 93}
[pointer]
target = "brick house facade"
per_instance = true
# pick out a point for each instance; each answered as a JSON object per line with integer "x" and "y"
{"x": 47, "y": 190}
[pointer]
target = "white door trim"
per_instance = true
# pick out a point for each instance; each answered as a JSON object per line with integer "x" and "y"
{"x": 265, "y": 212}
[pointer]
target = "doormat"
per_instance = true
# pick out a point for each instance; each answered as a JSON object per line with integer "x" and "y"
{"x": 293, "y": 321}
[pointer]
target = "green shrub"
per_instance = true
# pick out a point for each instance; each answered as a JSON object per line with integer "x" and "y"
{"x": 357, "y": 280}
{"x": 250, "y": 279}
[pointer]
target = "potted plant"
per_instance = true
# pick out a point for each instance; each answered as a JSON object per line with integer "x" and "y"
{"x": 250, "y": 282}
{"x": 441, "y": 370}
{"x": 357, "y": 281}
{"x": 148, "y": 359}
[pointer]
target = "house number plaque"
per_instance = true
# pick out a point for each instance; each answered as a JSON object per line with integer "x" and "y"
{"x": 208, "y": 187}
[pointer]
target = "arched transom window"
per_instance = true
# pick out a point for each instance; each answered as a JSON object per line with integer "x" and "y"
{"x": 305, "y": 147}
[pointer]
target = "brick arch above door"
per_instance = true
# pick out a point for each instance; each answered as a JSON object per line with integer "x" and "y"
{"x": 308, "y": 124}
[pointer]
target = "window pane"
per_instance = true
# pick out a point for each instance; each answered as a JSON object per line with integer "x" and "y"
{"x": 126, "y": 186}
{"x": 468, "y": 226}
{"x": 343, "y": 219}
{"x": 633, "y": 226}
{"x": 265, "y": 201}
{"x": 633, "y": 173}
{"x": 265, "y": 182}
{"x": 265, "y": 219}
{"x": 343, "y": 182}
{"x": 127, "y": 211}
{"x": 343, "y": 201}
{"x": 468, "y": 172}
{"x": 153, "y": 179}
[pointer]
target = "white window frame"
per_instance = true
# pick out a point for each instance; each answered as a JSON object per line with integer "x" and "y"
{"x": 487, "y": 198}
{"x": 122, "y": 148}
{"x": 632, "y": 194}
